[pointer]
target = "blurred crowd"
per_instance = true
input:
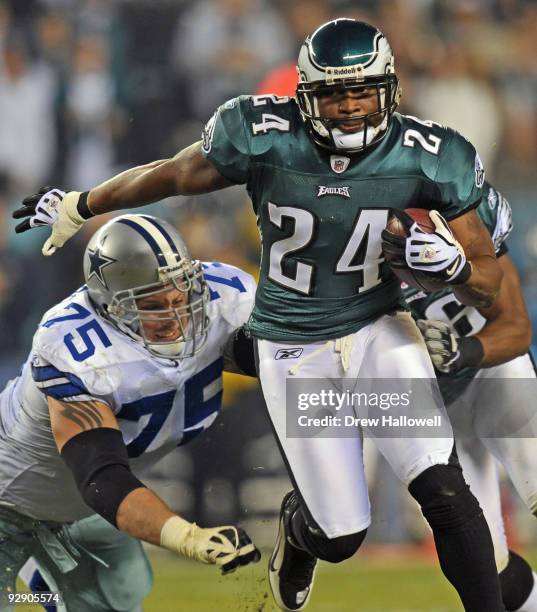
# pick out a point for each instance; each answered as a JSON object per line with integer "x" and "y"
{"x": 90, "y": 87}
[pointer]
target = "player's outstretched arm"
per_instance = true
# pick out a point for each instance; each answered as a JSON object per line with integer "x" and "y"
{"x": 505, "y": 336}
{"x": 187, "y": 173}
{"x": 483, "y": 284}
{"x": 90, "y": 443}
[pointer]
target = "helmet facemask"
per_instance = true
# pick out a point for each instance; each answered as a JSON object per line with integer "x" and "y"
{"x": 136, "y": 314}
{"x": 325, "y": 131}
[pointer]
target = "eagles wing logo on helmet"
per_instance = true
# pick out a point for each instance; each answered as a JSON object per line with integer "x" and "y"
{"x": 492, "y": 198}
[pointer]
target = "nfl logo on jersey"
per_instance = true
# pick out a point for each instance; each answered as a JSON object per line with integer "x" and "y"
{"x": 339, "y": 164}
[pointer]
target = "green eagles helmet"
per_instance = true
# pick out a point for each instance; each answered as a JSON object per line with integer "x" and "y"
{"x": 134, "y": 257}
{"x": 340, "y": 55}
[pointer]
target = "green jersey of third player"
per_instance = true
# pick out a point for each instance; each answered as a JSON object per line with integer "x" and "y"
{"x": 320, "y": 215}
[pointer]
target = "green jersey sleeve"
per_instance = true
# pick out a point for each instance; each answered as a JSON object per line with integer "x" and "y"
{"x": 460, "y": 176}
{"x": 495, "y": 212}
{"x": 225, "y": 141}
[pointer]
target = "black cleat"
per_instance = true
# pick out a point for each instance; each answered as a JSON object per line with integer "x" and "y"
{"x": 291, "y": 570}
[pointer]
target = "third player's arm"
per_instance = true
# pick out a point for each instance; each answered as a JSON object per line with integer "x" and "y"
{"x": 187, "y": 173}
{"x": 142, "y": 513}
{"x": 507, "y": 333}
{"x": 483, "y": 286}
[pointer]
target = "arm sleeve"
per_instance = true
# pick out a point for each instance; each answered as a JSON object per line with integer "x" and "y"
{"x": 503, "y": 250}
{"x": 226, "y": 142}
{"x": 459, "y": 178}
{"x": 99, "y": 462}
{"x": 239, "y": 354}
{"x": 495, "y": 212}
{"x": 504, "y": 225}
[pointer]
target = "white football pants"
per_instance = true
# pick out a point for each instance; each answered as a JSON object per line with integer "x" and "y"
{"x": 329, "y": 472}
{"x": 509, "y": 411}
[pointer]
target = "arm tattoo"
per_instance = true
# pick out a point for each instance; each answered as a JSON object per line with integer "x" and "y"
{"x": 85, "y": 414}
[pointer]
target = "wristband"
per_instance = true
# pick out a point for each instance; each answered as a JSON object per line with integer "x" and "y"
{"x": 174, "y": 534}
{"x": 82, "y": 206}
{"x": 471, "y": 352}
{"x": 463, "y": 276}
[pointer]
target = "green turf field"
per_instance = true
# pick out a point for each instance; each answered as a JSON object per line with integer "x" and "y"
{"x": 373, "y": 586}
{"x": 368, "y": 583}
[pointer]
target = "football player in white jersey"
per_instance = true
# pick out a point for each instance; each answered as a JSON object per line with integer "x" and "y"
{"x": 119, "y": 374}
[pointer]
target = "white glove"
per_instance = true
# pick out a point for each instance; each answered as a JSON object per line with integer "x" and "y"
{"x": 438, "y": 253}
{"x": 55, "y": 208}
{"x": 229, "y": 547}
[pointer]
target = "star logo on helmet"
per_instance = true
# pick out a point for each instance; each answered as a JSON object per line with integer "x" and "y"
{"x": 98, "y": 262}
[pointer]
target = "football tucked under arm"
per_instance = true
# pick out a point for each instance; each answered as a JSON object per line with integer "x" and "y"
{"x": 422, "y": 251}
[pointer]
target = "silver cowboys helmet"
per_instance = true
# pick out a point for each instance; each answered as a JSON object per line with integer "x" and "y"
{"x": 340, "y": 55}
{"x": 134, "y": 257}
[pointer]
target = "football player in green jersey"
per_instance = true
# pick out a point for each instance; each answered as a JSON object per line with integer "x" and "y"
{"x": 488, "y": 381}
{"x": 323, "y": 171}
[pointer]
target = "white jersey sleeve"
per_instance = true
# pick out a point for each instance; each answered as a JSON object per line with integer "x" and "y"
{"x": 232, "y": 293}
{"x": 73, "y": 354}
